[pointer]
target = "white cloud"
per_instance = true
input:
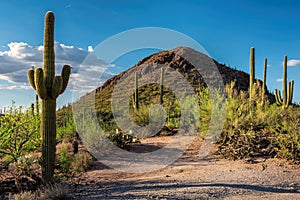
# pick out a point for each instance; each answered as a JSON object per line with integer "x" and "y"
{"x": 15, "y": 87}
{"x": 15, "y": 62}
{"x": 293, "y": 63}
{"x": 279, "y": 80}
{"x": 90, "y": 49}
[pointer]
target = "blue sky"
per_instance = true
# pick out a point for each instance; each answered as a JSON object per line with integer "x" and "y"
{"x": 226, "y": 29}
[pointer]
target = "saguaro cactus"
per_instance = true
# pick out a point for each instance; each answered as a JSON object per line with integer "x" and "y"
{"x": 252, "y": 71}
{"x": 263, "y": 91}
{"x": 37, "y": 106}
{"x": 287, "y": 89}
{"x": 161, "y": 86}
{"x": 48, "y": 87}
{"x": 136, "y": 95}
{"x": 32, "y": 109}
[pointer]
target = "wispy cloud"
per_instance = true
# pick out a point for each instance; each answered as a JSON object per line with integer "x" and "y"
{"x": 15, "y": 87}
{"x": 293, "y": 63}
{"x": 20, "y": 56}
{"x": 279, "y": 80}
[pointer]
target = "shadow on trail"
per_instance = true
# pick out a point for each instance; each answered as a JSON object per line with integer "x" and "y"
{"x": 142, "y": 189}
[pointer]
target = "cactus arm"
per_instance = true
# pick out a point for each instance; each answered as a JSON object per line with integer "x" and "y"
{"x": 49, "y": 56}
{"x": 278, "y": 97}
{"x": 30, "y": 75}
{"x": 290, "y": 91}
{"x": 65, "y": 74}
{"x": 40, "y": 84}
{"x": 56, "y": 87}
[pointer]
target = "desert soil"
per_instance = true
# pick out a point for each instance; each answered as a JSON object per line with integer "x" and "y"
{"x": 193, "y": 178}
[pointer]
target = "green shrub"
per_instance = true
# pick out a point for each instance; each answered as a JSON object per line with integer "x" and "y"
{"x": 70, "y": 164}
{"x": 254, "y": 130}
{"x": 64, "y": 159}
{"x": 27, "y": 165}
{"x": 19, "y": 133}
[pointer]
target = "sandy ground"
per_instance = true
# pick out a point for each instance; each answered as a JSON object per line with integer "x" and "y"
{"x": 193, "y": 178}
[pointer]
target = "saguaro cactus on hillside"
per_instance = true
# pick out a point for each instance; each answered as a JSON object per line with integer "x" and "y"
{"x": 48, "y": 87}
{"x": 263, "y": 91}
{"x": 136, "y": 94}
{"x": 252, "y": 71}
{"x": 287, "y": 92}
{"x": 161, "y": 86}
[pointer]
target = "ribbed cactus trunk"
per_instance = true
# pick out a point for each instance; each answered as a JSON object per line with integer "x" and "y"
{"x": 48, "y": 120}
{"x": 37, "y": 106}
{"x": 136, "y": 95}
{"x": 287, "y": 89}
{"x": 32, "y": 109}
{"x": 48, "y": 87}
{"x": 284, "y": 81}
{"x": 48, "y": 131}
{"x": 264, "y": 86}
{"x": 161, "y": 86}
{"x": 252, "y": 71}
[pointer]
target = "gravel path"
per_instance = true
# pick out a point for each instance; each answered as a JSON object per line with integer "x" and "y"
{"x": 193, "y": 178}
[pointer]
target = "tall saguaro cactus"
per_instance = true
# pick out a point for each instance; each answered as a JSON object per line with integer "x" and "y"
{"x": 136, "y": 94}
{"x": 263, "y": 91}
{"x": 48, "y": 87}
{"x": 161, "y": 86}
{"x": 252, "y": 71}
{"x": 288, "y": 89}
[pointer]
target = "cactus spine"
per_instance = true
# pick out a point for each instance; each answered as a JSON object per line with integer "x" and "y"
{"x": 48, "y": 87}
{"x": 161, "y": 86}
{"x": 264, "y": 83}
{"x": 287, "y": 89}
{"x": 252, "y": 71}
{"x": 136, "y": 95}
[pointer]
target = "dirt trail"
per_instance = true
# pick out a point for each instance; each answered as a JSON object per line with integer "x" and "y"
{"x": 193, "y": 178}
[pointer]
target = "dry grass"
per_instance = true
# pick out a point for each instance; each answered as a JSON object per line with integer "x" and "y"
{"x": 52, "y": 192}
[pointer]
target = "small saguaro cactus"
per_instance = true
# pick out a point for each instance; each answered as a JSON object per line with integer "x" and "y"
{"x": 136, "y": 94}
{"x": 252, "y": 71}
{"x": 32, "y": 109}
{"x": 263, "y": 91}
{"x": 161, "y": 86}
{"x": 287, "y": 89}
{"x": 48, "y": 87}
{"x": 37, "y": 106}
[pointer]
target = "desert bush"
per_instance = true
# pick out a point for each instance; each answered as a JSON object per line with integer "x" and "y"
{"x": 50, "y": 192}
{"x": 19, "y": 133}
{"x": 70, "y": 164}
{"x": 287, "y": 133}
{"x": 81, "y": 162}
{"x": 64, "y": 159}
{"x": 27, "y": 165}
{"x": 121, "y": 139}
{"x": 254, "y": 130}
{"x": 26, "y": 195}
{"x": 65, "y": 124}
